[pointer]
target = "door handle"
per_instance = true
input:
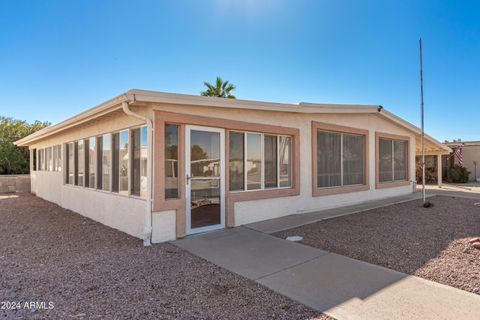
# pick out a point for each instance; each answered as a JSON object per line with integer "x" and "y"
{"x": 188, "y": 179}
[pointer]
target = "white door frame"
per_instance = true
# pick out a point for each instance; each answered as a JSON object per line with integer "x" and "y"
{"x": 188, "y": 130}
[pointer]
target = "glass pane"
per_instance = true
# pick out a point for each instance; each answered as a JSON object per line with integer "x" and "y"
{"x": 171, "y": 161}
{"x": 236, "y": 161}
{"x": 205, "y": 202}
{"x": 270, "y": 154}
{"x": 115, "y": 161}
{"x": 285, "y": 161}
{"x": 92, "y": 162}
{"x": 353, "y": 159}
{"x": 71, "y": 163}
{"x": 49, "y": 159}
{"x": 99, "y": 172}
{"x": 385, "y": 160}
{"x": 143, "y": 162}
{"x": 254, "y": 161}
{"x": 80, "y": 163}
{"x": 328, "y": 159}
{"x": 136, "y": 140}
{"x": 123, "y": 156}
{"x": 205, "y": 154}
{"x": 34, "y": 159}
{"x": 106, "y": 161}
{"x": 400, "y": 160}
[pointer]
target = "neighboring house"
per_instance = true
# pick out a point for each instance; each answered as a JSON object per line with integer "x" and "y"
{"x": 470, "y": 155}
{"x": 160, "y": 166}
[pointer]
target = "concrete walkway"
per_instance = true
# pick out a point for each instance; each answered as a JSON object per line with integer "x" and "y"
{"x": 341, "y": 287}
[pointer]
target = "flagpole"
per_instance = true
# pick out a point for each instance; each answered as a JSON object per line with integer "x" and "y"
{"x": 423, "y": 124}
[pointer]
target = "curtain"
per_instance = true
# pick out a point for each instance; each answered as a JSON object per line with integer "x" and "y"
{"x": 353, "y": 159}
{"x": 328, "y": 159}
{"x": 400, "y": 160}
{"x": 385, "y": 160}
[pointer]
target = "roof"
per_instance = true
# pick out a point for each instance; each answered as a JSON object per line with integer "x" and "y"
{"x": 136, "y": 95}
{"x": 463, "y": 144}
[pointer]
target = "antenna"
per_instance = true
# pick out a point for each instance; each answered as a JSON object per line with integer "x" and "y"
{"x": 423, "y": 125}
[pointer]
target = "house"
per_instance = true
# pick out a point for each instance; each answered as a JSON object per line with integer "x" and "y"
{"x": 160, "y": 166}
{"x": 471, "y": 157}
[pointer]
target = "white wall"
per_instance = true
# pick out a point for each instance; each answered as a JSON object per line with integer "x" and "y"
{"x": 121, "y": 212}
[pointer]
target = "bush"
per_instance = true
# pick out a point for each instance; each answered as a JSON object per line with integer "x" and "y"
{"x": 458, "y": 174}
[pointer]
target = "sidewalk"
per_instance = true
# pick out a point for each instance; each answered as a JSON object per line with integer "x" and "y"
{"x": 341, "y": 287}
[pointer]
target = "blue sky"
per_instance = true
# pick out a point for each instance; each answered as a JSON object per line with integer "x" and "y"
{"x": 59, "y": 58}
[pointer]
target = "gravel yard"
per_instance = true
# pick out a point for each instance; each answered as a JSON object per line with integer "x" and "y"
{"x": 430, "y": 243}
{"x": 90, "y": 271}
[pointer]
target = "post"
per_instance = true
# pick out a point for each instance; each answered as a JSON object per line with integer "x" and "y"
{"x": 439, "y": 170}
{"x": 423, "y": 123}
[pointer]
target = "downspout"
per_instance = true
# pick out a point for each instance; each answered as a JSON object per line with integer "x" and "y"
{"x": 148, "y": 215}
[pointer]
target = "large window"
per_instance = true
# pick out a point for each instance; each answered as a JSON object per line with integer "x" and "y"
{"x": 139, "y": 162}
{"x": 92, "y": 162}
{"x": 49, "y": 159}
{"x": 106, "y": 161}
{"x": 80, "y": 163}
{"x": 57, "y": 158}
{"x": 392, "y": 160}
{"x": 236, "y": 163}
{"x": 123, "y": 159}
{"x": 340, "y": 159}
{"x": 34, "y": 159}
{"x": 171, "y": 161}
{"x": 70, "y": 163}
{"x": 259, "y": 161}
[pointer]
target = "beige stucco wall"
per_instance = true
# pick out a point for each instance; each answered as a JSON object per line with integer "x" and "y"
{"x": 128, "y": 213}
{"x": 471, "y": 154}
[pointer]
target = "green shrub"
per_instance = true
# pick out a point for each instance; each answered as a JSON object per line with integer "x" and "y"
{"x": 458, "y": 174}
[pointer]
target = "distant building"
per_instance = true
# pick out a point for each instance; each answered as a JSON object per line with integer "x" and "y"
{"x": 471, "y": 157}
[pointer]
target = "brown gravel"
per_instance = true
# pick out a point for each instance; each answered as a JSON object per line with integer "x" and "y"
{"x": 430, "y": 243}
{"x": 90, "y": 271}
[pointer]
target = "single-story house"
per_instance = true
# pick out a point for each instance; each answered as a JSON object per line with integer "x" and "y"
{"x": 471, "y": 157}
{"x": 160, "y": 166}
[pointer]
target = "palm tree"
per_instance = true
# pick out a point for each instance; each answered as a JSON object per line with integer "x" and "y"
{"x": 220, "y": 89}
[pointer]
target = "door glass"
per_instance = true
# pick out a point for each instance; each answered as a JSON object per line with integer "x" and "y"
{"x": 205, "y": 178}
{"x": 205, "y": 154}
{"x": 205, "y": 198}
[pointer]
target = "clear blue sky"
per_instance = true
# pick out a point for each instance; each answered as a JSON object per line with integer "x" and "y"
{"x": 59, "y": 58}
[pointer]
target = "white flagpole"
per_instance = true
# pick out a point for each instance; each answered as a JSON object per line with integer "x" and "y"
{"x": 423, "y": 127}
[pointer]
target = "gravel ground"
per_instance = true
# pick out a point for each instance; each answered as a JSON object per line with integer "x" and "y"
{"x": 90, "y": 271}
{"x": 430, "y": 243}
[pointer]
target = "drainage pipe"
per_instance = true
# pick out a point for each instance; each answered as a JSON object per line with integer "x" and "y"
{"x": 147, "y": 240}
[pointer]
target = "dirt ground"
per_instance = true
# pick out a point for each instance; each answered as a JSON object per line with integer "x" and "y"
{"x": 89, "y": 271}
{"x": 431, "y": 243}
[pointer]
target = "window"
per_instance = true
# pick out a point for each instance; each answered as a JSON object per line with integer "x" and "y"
{"x": 285, "y": 166}
{"x": 106, "y": 161}
{"x": 259, "y": 161}
{"x": 80, "y": 174}
{"x": 92, "y": 162}
{"x": 254, "y": 161}
{"x": 123, "y": 157}
{"x": 270, "y": 153}
{"x": 49, "y": 159}
{"x": 115, "y": 161}
{"x": 340, "y": 159}
{"x": 70, "y": 163}
{"x": 171, "y": 161}
{"x": 99, "y": 142}
{"x": 236, "y": 162}
{"x": 34, "y": 159}
{"x": 57, "y": 158}
{"x": 392, "y": 160}
{"x": 139, "y": 162}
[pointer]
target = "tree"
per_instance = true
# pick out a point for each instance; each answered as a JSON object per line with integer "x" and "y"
{"x": 13, "y": 159}
{"x": 220, "y": 89}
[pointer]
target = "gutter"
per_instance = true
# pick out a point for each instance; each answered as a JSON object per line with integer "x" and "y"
{"x": 147, "y": 240}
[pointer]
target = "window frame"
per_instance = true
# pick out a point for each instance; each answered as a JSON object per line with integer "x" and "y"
{"x": 391, "y": 184}
{"x": 324, "y": 191}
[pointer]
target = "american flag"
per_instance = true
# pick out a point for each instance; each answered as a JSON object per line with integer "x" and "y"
{"x": 458, "y": 154}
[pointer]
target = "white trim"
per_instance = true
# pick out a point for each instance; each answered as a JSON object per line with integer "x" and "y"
{"x": 188, "y": 129}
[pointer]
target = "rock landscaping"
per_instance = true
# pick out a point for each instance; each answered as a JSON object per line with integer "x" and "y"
{"x": 57, "y": 264}
{"x": 439, "y": 243}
